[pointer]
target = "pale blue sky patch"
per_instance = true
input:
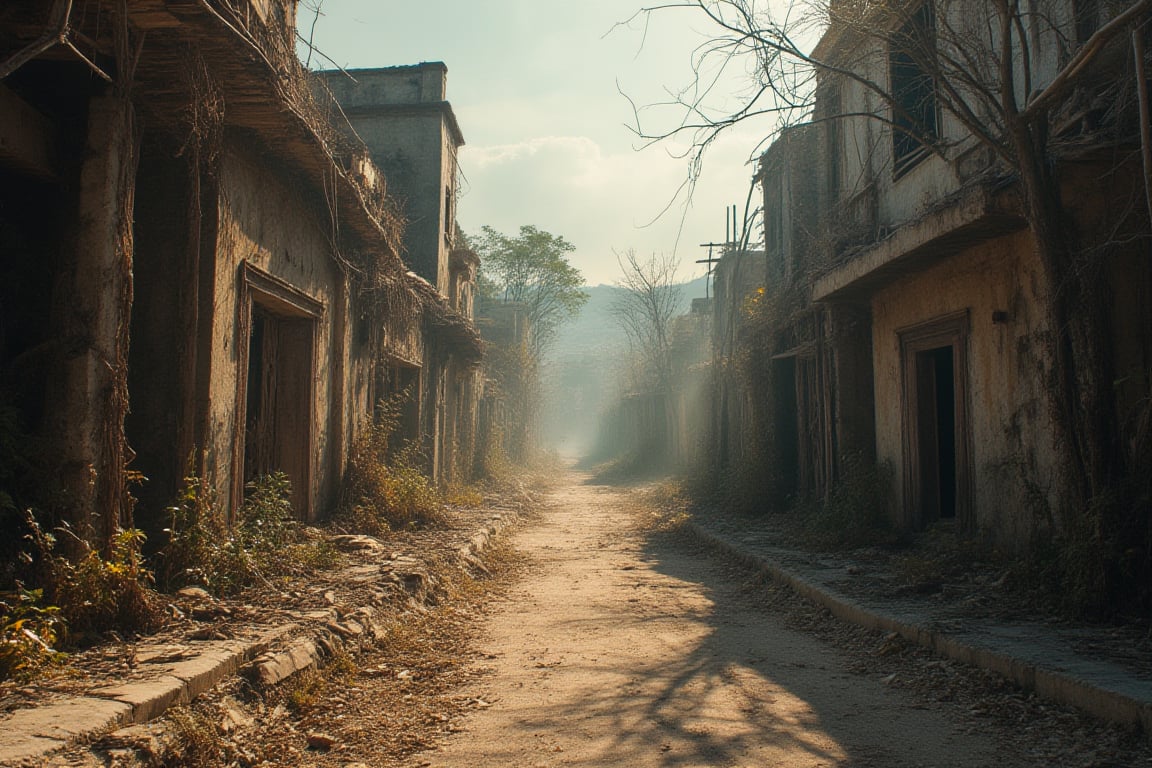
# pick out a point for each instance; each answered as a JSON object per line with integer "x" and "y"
{"x": 534, "y": 84}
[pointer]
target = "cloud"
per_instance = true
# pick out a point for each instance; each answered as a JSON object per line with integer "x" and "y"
{"x": 601, "y": 200}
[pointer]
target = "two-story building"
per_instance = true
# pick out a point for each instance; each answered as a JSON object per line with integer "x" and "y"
{"x": 403, "y": 117}
{"x": 912, "y": 289}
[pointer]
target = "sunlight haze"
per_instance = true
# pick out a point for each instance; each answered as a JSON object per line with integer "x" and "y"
{"x": 537, "y": 91}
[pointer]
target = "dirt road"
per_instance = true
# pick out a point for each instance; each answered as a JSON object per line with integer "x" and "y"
{"x": 620, "y": 649}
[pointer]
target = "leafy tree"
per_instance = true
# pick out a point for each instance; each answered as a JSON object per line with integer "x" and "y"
{"x": 532, "y": 269}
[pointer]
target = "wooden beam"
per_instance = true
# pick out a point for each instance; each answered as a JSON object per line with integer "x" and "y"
{"x": 28, "y": 139}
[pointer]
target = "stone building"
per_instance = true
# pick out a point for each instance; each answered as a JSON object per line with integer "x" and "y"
{"x": 403, "y": 117}
{"x": 910, "y": 306}
{"x": 198, "y": 272}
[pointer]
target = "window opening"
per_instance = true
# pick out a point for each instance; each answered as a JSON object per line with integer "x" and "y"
{"x": 914, "y": 116}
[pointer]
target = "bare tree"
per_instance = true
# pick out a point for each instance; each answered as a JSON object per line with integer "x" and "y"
{"x": 644, "y": 310}
{"x": 942, "y": 77}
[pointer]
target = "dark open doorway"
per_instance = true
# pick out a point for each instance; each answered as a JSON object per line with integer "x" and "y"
{"x": 936, "y": 427}
{"x": 786, "y": 424}
{"x": 398, "y": 386}
{"x": 936, "y": 474}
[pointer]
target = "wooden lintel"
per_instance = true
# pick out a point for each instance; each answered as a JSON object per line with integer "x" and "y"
{"x": 28, "y": 139}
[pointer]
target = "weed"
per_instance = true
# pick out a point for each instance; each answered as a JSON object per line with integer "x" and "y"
{"x": 466, "y": 496}
{"x": 194, "y": 533}
{"x": 96, "y": 594}
{"x": 198, "y": 740}
{"x": 264, "y": 542}
{"x": 386, "y": 489}
{"x": 492, "y": 460}
{"x": 856, "y": 511}
{"x": 28, "y": 633}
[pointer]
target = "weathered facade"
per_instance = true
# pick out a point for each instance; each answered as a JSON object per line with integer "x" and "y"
{"x": 908, "y": 305}
{"x": 200, "y": 273}
{"x": 402, "y": 116}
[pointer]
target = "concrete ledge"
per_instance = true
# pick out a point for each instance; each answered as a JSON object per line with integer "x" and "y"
{"x": 31, "y": 733}
{"x": 275, "y": 668}
{"x": 28, "y": 735}
{"x": 1109, "y": 703}
{"x": 149, "y": 699}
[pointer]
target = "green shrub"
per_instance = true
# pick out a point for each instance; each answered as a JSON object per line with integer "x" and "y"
{"x": 195, "y": 533}
{"x": 29, "y": 632}
{"x": 96, "y": 595}
{"x": 264, "y": 542}
{"x": 387, "y": 489}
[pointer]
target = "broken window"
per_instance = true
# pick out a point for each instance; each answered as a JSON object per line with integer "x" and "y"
{"x": 831, "y": 111}
{"x": 398, "y": 382}
{"x": 448, "y": 215}
{"x": 914, "y": 112}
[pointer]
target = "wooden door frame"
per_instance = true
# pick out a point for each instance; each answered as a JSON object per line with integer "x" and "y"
{"x": 951, "y": 330}
{"x": 279, "y": 298}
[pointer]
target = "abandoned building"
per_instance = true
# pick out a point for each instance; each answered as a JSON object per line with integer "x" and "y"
{"x": 901, "y": 314}
{"x": 200, "y": 270}
{"x": 402, "y": 116}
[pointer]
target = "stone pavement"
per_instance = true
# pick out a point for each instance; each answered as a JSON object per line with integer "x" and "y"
{"x": 347, "y": 611}
{"x": 1071, "y": 664}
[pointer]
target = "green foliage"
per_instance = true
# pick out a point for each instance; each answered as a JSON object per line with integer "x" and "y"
{"x": 265, "y": 540}
{"x": 97, "y": 595}
{"x": 195, "y": 532}
{"x": 531, "y": 269}
{"x": 386, "y": 489}
{"x": 29, "y": 631}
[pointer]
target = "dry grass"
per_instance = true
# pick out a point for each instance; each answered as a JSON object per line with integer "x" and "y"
{"x": 380, "y": 707}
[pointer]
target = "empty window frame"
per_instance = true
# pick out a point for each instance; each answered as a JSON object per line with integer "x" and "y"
{"x": 915, "y": 123}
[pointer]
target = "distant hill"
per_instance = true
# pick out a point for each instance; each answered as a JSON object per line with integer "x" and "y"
{"x": 581, "y": 372}
{"x": 594, "y": 329}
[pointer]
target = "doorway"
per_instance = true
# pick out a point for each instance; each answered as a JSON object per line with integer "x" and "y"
{"x": 786, "y": 424}
{"x": 277, "y": 388}
{"x": 936, "y": 428}
{"x": 935, "y": 431}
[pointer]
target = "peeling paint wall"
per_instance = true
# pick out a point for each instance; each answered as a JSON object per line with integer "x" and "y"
{"x": 265, "y": 223}
{"x": 1010, "y": 436}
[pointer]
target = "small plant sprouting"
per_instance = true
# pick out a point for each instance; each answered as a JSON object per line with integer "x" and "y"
{"x": 265, "y": 540}
{"x": 29, "y": 631}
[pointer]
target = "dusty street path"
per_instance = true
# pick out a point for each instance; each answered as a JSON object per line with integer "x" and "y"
{"x": 619, "y": 650}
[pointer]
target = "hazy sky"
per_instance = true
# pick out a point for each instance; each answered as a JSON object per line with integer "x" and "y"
{"x": 534, "y": 84}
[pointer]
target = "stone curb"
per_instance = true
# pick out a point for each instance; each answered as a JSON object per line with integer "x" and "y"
{"x": 1094, "y": 698}
{"x": 30, "y": 735}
